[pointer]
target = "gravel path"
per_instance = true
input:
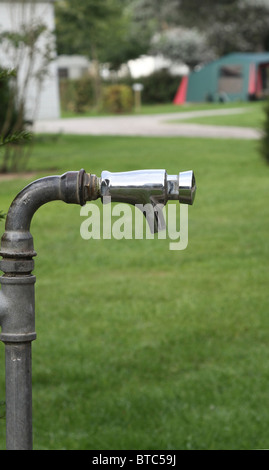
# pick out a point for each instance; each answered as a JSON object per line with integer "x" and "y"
{"x": 158, "y": 125}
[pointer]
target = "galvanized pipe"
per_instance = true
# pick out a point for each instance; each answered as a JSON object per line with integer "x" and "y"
{"x": 18, "y": 363}
{"x": 17, "y": 296}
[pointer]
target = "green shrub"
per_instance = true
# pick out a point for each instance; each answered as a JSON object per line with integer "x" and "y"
{"x": 265, "y": 137}
{"x": 8, "y": 114}
{"x": 13, "y": 136}
{"x": 67, "y": 94}
{"x": 159, "y": 87}
{"x": 77, "y": 95}
{"x": 118, "y": 99}
{"x": 84, "y": 94}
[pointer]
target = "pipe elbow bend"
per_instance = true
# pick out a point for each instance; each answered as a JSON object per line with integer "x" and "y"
{"x": 17, "y": 240}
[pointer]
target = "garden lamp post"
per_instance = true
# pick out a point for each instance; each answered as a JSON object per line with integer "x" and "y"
{"x": 138, "y": 88}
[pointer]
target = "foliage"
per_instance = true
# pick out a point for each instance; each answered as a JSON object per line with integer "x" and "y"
{"x": 157, "y": 14}
{"x": 67, "y": 94}
{"x": 188, "y": 46}
{"x": 82, "y": 27}
{"x": 8, "y": 113}
{"x": 103, "y": 31}
{"x": 30, "y": 50}
{"x": 264, "y": 147}
{"x": 8, "y": 118}
{"x": 5, "y": 74}
{"x": 91, "y": 28}
{"x": 84, "y": 97}
{"x": 15, "y": 138}
{"x": 117, "y": 30}
{"x": 12, "y": 132}
{"x": 77, "y": 95}
{"x": 118, "y": 99}
{"x": 219, "y": 23}
{"x": 29, "y": 59}
{"x": 222, "y": 23}
{"x": 159, "y": 87}
{"x": 229, "y": 33}
{"x": 8, "y": 138}
{"x": 129, "y": 39}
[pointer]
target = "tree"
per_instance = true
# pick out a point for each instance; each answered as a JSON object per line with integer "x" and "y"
{"x": 127, "y": 39}
{"x": 158, "y": 15}
{"x": 230, "y": 25}
{"x": 98, "y": 29}
{"x": 10, "y": 133}
{"x": 183, "y": 45}
{"x": 81, "y": 28}
{"x": 224, "y": 26}
{"x": 5, "y": 140}
{"x": 29, "y": 59}
{"x": 28, "y": 50}
{"x": 104, "y": 31}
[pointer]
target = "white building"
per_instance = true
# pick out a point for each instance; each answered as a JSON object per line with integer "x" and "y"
{"x": 41, "y": 91}
{"x": 73, "y": 67}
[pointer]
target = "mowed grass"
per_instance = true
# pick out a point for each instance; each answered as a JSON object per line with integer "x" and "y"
{"x": 252, "y": 115}
{"x": 140, "y": 347}
{"x": 170, "y": 108}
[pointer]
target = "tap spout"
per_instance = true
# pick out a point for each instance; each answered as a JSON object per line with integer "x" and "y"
{"x": 149, "y": 191}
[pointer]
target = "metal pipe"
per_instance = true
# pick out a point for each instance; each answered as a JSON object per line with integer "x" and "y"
{"x": 19, "y": 396}
{"x": 17, "y": 296}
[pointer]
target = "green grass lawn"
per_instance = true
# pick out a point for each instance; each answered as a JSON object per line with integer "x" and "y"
{"x": 252, "y": 116}
{"x": 139, "y": 347}
{"x": 145, "y": 109}
{"x": 169, "y": 108}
